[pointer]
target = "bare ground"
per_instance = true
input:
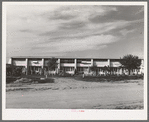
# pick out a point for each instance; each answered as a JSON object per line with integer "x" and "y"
{"x": 69, "y": 93}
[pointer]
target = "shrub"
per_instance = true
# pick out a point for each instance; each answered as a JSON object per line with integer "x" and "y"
{"x": 8, "y": 71}
{"x": 17, "y": 71}
{"x": 10, "y": 79}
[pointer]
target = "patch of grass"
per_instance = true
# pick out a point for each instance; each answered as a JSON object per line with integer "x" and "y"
{"x": 130, "y": 107}
{"x": 25, "y": 79}
{"x": 11, "y": 79}
{"x": 50, "y": 79}
{"x": 46, "y": 81}
{"x": 107, "y": 78}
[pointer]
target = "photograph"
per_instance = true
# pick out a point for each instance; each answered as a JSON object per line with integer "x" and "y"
{"x": 74, "y": 59}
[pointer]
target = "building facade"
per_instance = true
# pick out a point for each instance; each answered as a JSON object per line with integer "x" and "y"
{"x": 70, "y": 65}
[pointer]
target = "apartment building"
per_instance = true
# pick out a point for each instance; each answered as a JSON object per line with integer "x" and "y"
{"x": 69, "y": 65}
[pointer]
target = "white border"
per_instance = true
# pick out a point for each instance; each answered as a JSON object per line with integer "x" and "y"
{"x": 67, "y": 114}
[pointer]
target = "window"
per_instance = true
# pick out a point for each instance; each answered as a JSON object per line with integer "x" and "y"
{"x": 80, "y": 60}
{"x": 79, "y": 68}
{"x": 67, "y": 60}
{"x": 68, "y": 68}
{"x": 100, "y": 60}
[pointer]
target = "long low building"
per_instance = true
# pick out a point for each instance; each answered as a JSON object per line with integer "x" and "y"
{"x": 69, "y": 65}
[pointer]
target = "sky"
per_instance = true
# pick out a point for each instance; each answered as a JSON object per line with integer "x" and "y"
{"x": 88, "y": 31}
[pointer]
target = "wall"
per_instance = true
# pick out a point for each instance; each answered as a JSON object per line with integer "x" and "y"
{"x": 33, "y": 62}
{"x": 67, "y": 64}
{"x": 97, "y": 62}
{"x": 83, "y": 65}
{"x": 115, "y": 64}
{"x": 18, "y": 62}
{"x": 101, "y": 63}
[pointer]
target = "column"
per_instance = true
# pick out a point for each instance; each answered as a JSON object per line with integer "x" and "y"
{"x": 58, "y": 65}
{"x": 42, "y": 63}
{"x": 121, "y": 71}
{"x": 42, "y": 67}
{"x": 92, "y": 62}
{"x": 11, "y": 61}
{"x": 109, "y": 72}
{"x": 26, "y": 66}
{"x": 75, "y": 66}
{"x": 109, "y": 62}
{"x": 142, "y": 66}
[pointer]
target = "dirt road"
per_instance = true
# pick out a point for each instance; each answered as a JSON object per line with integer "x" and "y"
{"x": 89, "y": 96}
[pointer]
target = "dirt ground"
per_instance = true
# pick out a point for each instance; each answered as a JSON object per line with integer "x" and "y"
{"x": 69, "y": 93}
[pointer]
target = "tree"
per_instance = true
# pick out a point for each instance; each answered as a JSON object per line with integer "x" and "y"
{"x": 8, "y": 69}
{"x": 16, "y": 71}
{"x": 13, "y": 70}
{"x": 107, "y": 69}
{"x": 130, "y": 62}
{"x": 52, "y": 64}
{"x": 94, "y": 68}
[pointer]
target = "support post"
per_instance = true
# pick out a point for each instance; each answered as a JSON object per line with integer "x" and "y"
{"x": 11, "y": 61}
{"x": 42, "y": 67}
{"x": 42, "y": 63}
{"x": 75, "y": 64}
{"x": 121, "y": 71}
{"x": 26, "y": 66}
{"x": 92, "y": 62}
{"x": 58, "y": 65}
{"x": 142, "y": 66}
{"x": 109, "y": 65}
{"x": 109, "y": 62}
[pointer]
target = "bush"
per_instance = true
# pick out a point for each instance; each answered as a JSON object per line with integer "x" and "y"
{"x": 8, "y": 71}
{"x": 17, "y": 71}
{"x": 10, "y": 79}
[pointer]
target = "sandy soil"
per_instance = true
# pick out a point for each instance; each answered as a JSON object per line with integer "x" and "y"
{"x": 68, "y": 93}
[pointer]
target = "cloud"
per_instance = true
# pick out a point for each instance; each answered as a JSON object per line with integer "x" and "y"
{"x": 94, "y": 42}
{"x": 65, "y": 28}
{"x": 61, "y": 17}
{"x": 140, "y": 10}
{"x": 124, "y": 32}
{"x": 52, "y": 19}
{"x": 78, "y": 30}
{"x": 72, "y": 25}
{"x": 123, "y": 13}
{"x": 26, "y": 30}
{"x": 79, "y": 12}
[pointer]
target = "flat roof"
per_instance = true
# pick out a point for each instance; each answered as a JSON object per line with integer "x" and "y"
{"x": 61, "y": 57}
{"x": 58, "y": 57}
